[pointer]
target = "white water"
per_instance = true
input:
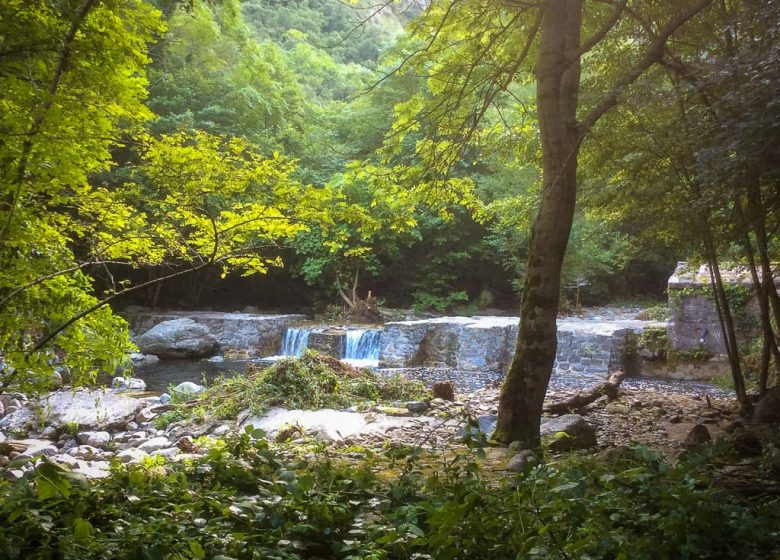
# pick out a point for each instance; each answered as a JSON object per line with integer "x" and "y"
{"x": 361, "y": 347}
{"x": 294, "y": 341}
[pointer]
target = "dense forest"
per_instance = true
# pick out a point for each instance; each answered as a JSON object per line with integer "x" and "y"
{"x": 453, "y": 156}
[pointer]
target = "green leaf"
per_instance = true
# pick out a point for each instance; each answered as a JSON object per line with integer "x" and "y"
{"x": 197, "y": 550}
{"x": 82, "y": 530}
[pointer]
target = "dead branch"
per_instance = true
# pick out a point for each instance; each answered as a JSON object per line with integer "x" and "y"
{"x": 580, "y": 400}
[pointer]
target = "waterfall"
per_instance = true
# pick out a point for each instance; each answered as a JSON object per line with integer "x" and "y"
{"x": 362, "y": 344}
{"x": 294, "y": 341}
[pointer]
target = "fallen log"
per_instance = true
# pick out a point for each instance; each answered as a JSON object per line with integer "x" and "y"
{"x": 580, "y": 400}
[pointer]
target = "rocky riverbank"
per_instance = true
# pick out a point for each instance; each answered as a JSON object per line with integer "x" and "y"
{"x": 87, "y": 430}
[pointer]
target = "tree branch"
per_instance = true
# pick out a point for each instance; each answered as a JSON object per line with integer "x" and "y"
{"x": 37, "y": 121}
{"x": 653, "y": 55}
{"x": 601, "y": 33}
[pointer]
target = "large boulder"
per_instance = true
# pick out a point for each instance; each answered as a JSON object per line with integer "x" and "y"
{"x": 570, "y": 431}
{"x": 179, "y": 338}
{"x": 82, "y": 409}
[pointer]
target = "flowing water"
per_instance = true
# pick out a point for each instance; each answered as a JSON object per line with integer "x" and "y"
{"x": 361, "y": 347}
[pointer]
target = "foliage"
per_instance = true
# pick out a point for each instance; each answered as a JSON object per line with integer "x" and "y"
{"x": 309, "y": 382}
{"x": 244, "y": 500}
{"x": 62, "y": 115}
{"x": 654, "y": 340}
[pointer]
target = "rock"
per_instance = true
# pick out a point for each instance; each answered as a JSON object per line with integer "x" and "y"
{"x": 55, "y": 379}
{"x": 188, "y": 388}
{"x": 95, "y": 439}
{"x": 128, "y": 384}
{"x": 515, "y": 447}
{"x": 391, "y": 410}
{"x": 485, "y": 426}
{"x": 698, "y": 435}
{"x": 49, "y": 432}
{"x": 443, "y": 390}
{"x": 154, "y": 444}
{"x": 417, "y": 407}
{"x": 522, "y": 461}
{"x": 132, "y": 455}
{"x": 2, "y": 410}
{"x": 767, "y": 411}
{"x": 35, "y": 447}
{"x": 179, "y": 338}
{"x": 216, "y": 359}
{"x": 86, "y": 452}
{"x": 131, "y": 426}
{"x": 332, "y": 424}
{"x": 186, "y": 444}
{"x": 579, "y": 434}
{"x": 145, "y": 415}
{"x": 140, "y": 360}
{"x": 12, "y": 475}
{"x": 84, "y": 409}
{"x": 165, "y": 398}
{"x": 220, "y": 430}
{"x": 166, "y": 452}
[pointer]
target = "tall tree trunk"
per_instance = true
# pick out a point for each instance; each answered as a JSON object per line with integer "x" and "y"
{"x": 726, "y": 323}
{"x": 757, "y": 213}
{"x": 769, "y": 347}
{"x": 558, "y": 77}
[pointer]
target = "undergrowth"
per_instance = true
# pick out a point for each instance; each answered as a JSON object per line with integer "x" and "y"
{"x": 245, "y": 501}
{"x": 309, "y": 382}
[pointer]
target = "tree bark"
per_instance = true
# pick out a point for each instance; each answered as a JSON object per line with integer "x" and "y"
{"x": 558, "y": 77}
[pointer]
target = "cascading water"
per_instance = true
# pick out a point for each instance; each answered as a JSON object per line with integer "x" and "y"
{"x": 294, "y": 341}
{"x": 361, "y": 347}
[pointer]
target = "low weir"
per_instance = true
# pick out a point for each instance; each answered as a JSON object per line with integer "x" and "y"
{"x": 480, "y": 343}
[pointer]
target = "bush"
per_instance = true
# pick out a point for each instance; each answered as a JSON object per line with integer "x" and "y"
{"x": 309, "y": 382}
{"x": 245, "y": 501}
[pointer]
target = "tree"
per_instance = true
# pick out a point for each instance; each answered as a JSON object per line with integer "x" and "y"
{"x": 473, "y": 52}
{"x": 62, "y": 112}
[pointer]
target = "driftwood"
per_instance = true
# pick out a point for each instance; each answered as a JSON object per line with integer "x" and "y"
{"x": 580, "y": 400}
{"x": 8, "y": 447}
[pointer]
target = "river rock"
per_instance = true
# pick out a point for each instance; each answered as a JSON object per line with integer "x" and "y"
{"x": 128, "y": 384}
{"x": 95, "y": 439}
{"x": 333, "y": 425}
{"x": 417, "y": 407}
{"x": 154, "y": 444}
{"x": 522, "y": 461}
{"x": 179, "y": 338}
{"x": 188, "y": 388}
{"x": 579, "y": 434}
{"x": 87, "y": 452}
{"x": 698, "y": 435}
{"x": 86, "y": 409}
{"x": 132, "y": 455}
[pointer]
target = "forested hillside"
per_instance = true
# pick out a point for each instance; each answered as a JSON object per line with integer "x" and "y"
{"x": 316, "y": 83}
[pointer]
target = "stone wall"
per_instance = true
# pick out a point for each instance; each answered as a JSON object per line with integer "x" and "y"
{"x": 252, "y": 334}
{"x": 488, "y": 343}
{"x": 693, "y": 316}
